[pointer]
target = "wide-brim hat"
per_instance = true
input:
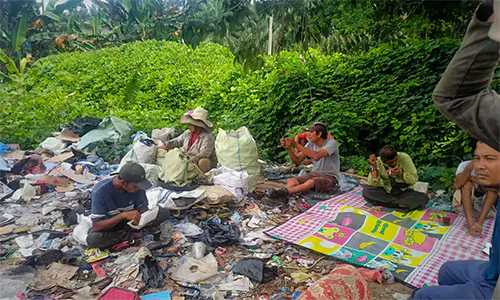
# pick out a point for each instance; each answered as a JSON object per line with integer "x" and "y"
{"x": 197, "y": 117}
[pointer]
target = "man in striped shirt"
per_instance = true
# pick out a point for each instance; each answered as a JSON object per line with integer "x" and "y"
{"x": 115, "y": 201}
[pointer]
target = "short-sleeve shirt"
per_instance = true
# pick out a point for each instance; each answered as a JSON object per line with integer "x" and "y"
{"x": 107, "y": 202}
{"x": 462, "y": 166}
{"x": 329, "y": 165}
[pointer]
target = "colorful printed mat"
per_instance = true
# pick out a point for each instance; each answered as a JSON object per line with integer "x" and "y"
{"x": 412, "y": 245}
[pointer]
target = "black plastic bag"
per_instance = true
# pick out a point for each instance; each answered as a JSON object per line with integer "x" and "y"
{"x": 215, "y": 235}
{"x": 255, "y": 269}
{"x": 152, "y": 273}
{"x": 83, "y": 125}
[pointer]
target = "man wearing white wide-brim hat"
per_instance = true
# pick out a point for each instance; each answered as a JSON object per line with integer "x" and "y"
{"x": 198, "y": 142}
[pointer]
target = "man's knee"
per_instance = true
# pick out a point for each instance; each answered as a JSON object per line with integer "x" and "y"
{"x": 445, "y": 271}
{"x": 466, "y": 189}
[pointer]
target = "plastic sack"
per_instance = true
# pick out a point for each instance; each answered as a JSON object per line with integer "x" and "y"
{"x": 175, "y": 168}
{"x": 237, "y": 150}
{"x": 139, "y": 153}
{"x": 152, "y": 273}
{"x": 53, "y": 144}
{"x": 216, "y": 194}
{"x": 81, "y": 230}
{"x": 234, "y": 181}
{"x": 111, "y": 130}
{"x": 195, "y": 270}
{"x": 163, "y": 134}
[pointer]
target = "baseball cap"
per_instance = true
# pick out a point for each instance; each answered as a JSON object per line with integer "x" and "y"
{"x": 315, "y": 126}
{"x": 135, "y": 173}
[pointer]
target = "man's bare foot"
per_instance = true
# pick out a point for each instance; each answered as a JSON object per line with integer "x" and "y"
{"x": 472, "y": 229}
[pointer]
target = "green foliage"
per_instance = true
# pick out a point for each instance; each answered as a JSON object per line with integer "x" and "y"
{"x": 358, "y": 163}
{"x": 368, "y": 100}
{"x": 150, "y": 84}
{"x": 439, "y": 178}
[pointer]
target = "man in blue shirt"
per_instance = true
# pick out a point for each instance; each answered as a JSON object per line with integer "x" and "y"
{"x": 473, "y": 279}
{"x": 115, "y": 201}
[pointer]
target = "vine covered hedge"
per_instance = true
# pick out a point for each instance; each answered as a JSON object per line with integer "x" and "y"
{"x": 369, "y": 100}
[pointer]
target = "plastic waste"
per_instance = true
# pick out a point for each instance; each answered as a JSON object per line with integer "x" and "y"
{"x": 254, "y": 269}
{"x": 15, "y": 281}
{"x": 199, "y": 250}
{"x": 299, "y": 277}
{"x": 243, "y": 285}
{"x": 215, "y": 234}
{"x": 166, "y": 230}
{"x": 81, "y": 230}
{"x": 399, "y": 296}
{"x": 188, "y": 229}
{"x": 195, "y": 270}
{"x": 152, "y": 273}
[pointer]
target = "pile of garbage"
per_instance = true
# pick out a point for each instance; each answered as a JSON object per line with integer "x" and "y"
{"x": 212, "y": 246}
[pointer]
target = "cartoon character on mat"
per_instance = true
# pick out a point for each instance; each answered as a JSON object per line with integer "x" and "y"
{"x": 330, "y": 232}
{"x": 436, "y": 216}
{"x": 398, "y": 255}
{"x": 429, "y": 227}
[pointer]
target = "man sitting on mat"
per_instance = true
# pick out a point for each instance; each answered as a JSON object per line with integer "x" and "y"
{"x": 391, "y": 180}
{"x": 324, "y": 153}
{"x": 472, "y": 200}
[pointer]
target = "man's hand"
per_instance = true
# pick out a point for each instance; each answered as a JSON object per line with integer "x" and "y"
{"x": 287, "y": 143}
{"x": 132, "y": 215}
{"x": 373, "y": 160}
{"x": 470, "y": 167}
{"x": 395, "y": 172}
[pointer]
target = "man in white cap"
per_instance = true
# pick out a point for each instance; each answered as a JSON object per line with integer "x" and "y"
{"x": 115, "y": 201}
{"x": 198, "y": 142}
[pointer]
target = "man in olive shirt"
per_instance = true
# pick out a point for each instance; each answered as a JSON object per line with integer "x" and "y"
{"x": 391, "y": 180}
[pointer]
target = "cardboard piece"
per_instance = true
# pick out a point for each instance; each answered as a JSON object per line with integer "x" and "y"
{"x": 57, "y": 181}
{"x": 57, "y": 272}
{"x": 69, "y": 136}
{"x": 15, "y": 154}
{"x": 75, "y": 177}
{"x": 62, "y": 157}
{"x": 65, "y": 189}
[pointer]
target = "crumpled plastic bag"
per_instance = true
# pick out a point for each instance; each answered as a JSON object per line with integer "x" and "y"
{"x": 81, "y": 230}
{"x": 188, "y": 229}
{"x": 195, "y": 270}
{"x": 215, "y": 234}
{"x": 254, "y": 269}
{"x": 152, "y": 273}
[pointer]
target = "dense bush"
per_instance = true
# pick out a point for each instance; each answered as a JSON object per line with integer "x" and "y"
{"x": 368, "y": 100}
{"x": 149, "y": 84}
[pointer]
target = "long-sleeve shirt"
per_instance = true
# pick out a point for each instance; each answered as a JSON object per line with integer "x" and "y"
{"x": 408, "y": 173}
{"x": 463, "y": 94}
{"x": 203, "y": 147}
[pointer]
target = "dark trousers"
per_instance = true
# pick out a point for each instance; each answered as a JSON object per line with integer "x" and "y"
{"x": 462, "y": 279}
{"x": 120, "y": 233}
{"x": 397, "y": 198}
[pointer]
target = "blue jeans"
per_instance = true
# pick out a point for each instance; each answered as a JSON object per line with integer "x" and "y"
{"x": 461, "y": 279}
